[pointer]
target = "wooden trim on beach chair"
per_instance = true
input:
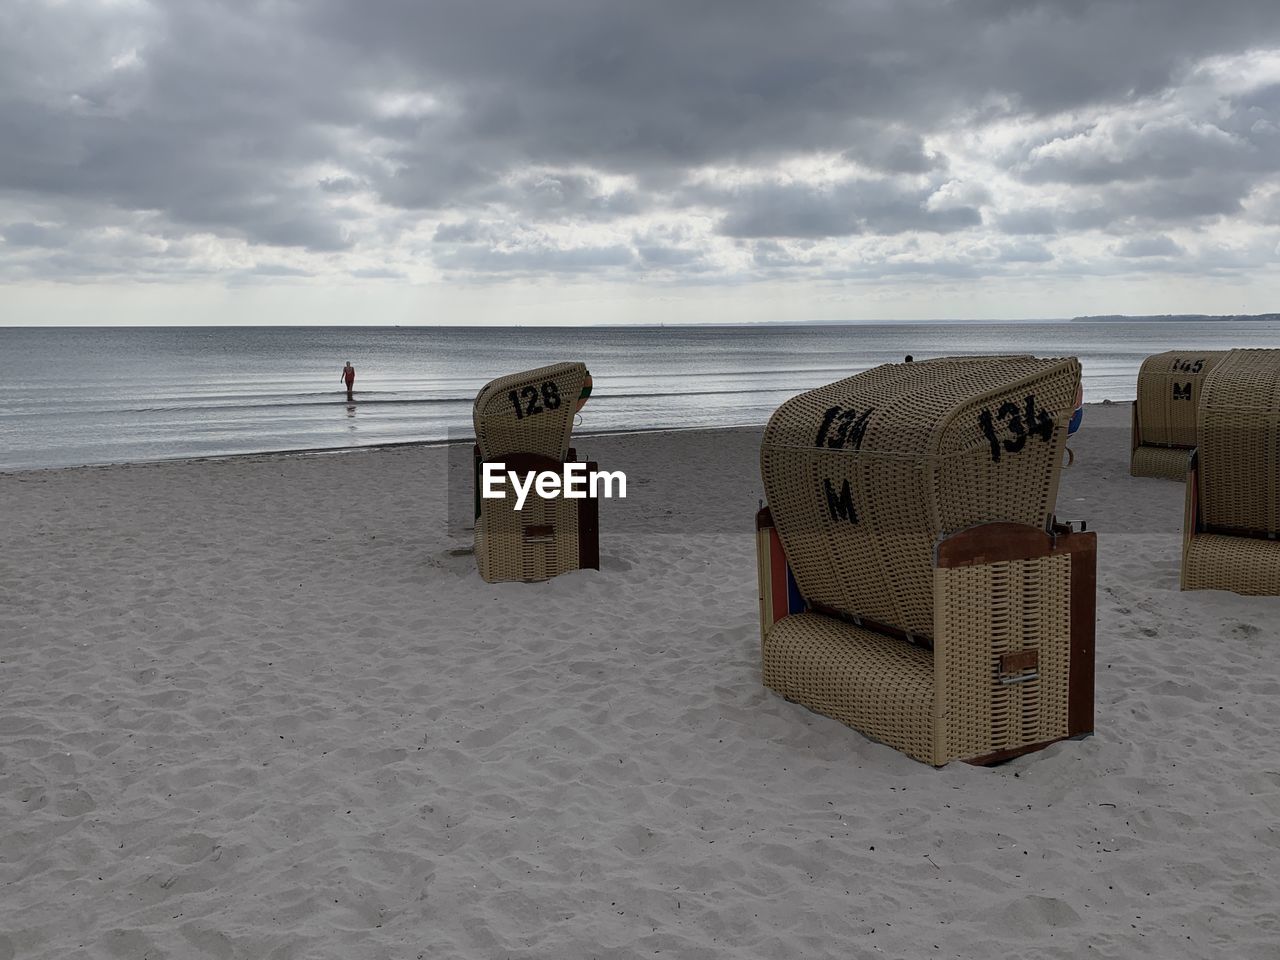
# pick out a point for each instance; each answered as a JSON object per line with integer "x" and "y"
{"x": 1191, "y": 522}
{"x": 588, "y": 526}
{"x": 778, "y": 593}
{"x": 1191, "y": 510}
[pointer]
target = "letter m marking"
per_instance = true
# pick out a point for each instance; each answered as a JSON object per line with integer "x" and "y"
{"x": 840, "y": 506}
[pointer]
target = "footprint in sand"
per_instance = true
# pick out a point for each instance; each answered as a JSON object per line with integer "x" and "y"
{"x": 74, "y": 804}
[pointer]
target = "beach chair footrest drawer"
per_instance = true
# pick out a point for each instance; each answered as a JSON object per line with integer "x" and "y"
{"x": 877, "y": 684}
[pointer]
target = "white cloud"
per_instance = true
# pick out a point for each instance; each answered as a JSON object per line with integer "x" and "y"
{"x": 415, "y": 143}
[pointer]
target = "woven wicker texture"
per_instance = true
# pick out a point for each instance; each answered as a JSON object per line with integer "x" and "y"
{"x": 863, "y": 476}
{"x": 529, "y": 412}
{"x": 984, "y": 612}
{"x": 878, "y": 685}
{"x": 1168, "y": 463}
{"x": 1169, "y": 388}
{"x": 953, "y": 703}
{"x": 507, "y": 548}
{"x": 1245, "y": 565}
{"x": 1239, "y": 442}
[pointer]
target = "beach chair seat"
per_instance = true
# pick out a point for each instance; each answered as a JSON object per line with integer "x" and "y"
{"x": 1169, "y": 463}
{"x": 1164, "y": 414}
{"x": 524, "y": 421}
{"x": 1231, "y": 530}
{"x": 928, "y": 598}
{"x": 875, "y": 683}
{"x": 1245, "y": 565}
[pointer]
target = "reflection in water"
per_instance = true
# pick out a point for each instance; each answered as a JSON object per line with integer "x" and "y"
{"x": 64, "y": 401}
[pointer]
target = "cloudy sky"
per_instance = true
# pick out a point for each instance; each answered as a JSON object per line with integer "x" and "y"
{"x": 418, "y": 161}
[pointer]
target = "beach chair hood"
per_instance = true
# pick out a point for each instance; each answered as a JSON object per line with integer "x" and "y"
{"x": 529, "y": 412}
{"x": 865, "y": 475}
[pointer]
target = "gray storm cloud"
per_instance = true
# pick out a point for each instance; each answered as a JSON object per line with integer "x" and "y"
{"x": 570, "y": 137}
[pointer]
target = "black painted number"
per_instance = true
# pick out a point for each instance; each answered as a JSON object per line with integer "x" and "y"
{"x": 843, "y": 428}
{"x": 1187, "y": 366}
{"x": 1018, "y": 424}
{"x": 534, "y": 399}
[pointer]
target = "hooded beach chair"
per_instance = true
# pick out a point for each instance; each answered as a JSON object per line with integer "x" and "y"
{"x": 1231, "y": 536}
{"x": 1164, "y": 415}
{"x": 914, "y": 584}
{"x": 523, "y": 421}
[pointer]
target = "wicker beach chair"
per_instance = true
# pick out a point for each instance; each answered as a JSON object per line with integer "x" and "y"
{"x": 1164, "y": 415}
{"x": 913, "y": 582}
{"x": 524, "y": 421}
{"x": 1231, "y": 537}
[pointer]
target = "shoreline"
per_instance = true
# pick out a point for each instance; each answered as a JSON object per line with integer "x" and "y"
{"x": 358, "y": 448}
{"x": 399, "y": 444}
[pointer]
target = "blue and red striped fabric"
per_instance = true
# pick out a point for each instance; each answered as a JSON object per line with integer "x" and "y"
{"x": 779, "y": 594}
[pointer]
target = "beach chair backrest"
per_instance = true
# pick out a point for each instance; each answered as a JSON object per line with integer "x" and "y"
{"x": 863, "y": 476}
{"x": 1239, "y": 444}
{"x": 529, "y": 412}
{"x": 1169, "y": 388}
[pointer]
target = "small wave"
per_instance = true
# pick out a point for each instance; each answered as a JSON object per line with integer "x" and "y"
{"x": 429, "y": 401}
{"x": 368, "y": 400}
{"x": 231, "y": 404}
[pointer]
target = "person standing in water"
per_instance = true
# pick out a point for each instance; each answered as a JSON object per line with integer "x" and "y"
{"x": 349, "y": 375}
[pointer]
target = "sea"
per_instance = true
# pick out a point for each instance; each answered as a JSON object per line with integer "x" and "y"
{"x": 79, "y": 395}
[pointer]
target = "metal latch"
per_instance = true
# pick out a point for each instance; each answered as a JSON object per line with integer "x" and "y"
{"x": 1019, "y": 663}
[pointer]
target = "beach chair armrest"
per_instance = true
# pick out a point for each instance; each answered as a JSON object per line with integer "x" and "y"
{"x": 1014, "y": 611}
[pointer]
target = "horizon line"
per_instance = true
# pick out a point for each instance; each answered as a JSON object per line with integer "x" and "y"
{"x": 1093, "y": 318}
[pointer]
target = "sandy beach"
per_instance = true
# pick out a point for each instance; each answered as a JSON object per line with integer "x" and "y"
{"x": 265, "y": 707}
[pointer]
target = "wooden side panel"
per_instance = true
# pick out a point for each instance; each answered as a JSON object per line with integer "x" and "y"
{"x": 589, "y": 528}
{"x": 1084, "y": 618}
{"x": 999, "y": 543}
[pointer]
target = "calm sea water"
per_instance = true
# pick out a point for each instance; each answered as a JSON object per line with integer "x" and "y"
{"x": 80, "y": 395}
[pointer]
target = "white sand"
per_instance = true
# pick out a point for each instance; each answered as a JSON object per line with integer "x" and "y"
{"x": 259, "y": 708}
